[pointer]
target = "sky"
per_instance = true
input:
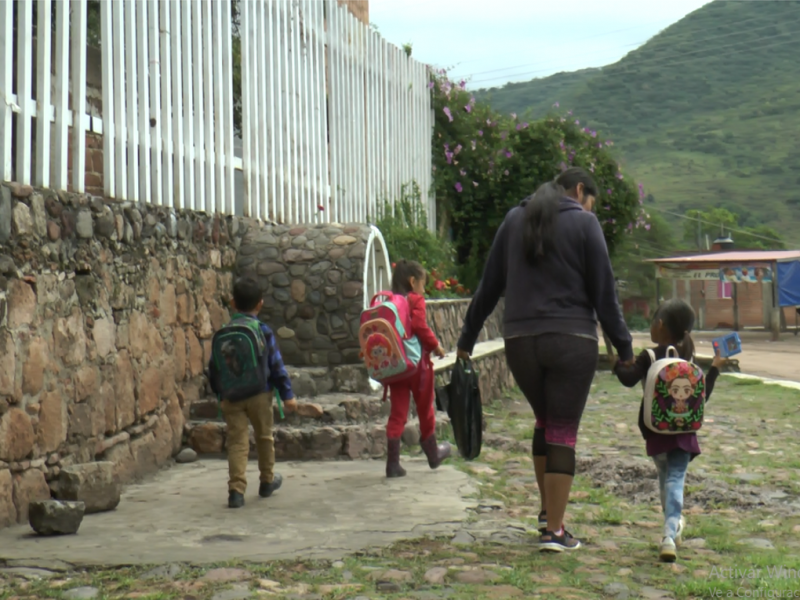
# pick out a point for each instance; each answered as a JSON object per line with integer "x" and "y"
{"x": 492, "y": 42}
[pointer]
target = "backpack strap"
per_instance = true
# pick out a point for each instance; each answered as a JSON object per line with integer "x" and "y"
{"x": 652, "y": 356}
{"x": 385, "y": 392}
{"x": 384, "y": 294}
{"x": 674, "y": 352}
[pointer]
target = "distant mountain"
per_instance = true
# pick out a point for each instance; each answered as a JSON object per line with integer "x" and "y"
{"x": 706, "y": 113}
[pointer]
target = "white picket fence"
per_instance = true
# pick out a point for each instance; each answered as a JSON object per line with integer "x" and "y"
{"x": 335, "y": 120}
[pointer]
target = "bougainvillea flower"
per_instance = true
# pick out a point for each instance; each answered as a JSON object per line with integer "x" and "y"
{"x": 458, "y": 187}
{"x": 430, "y": 85}
{"x": 619, "y": 176}
{"x": 458, "y": 148}
{"x": 480, "y": 132}
{"x": 474, "y": 144}
{"x": 448, "y": 113}
{"x": 508, "y": 154}
{"x": 475, "y": 183}
{"x": 514, "y": 116}
{"x": 468, "y": 108}
{"x": 463, "y": 173}
{"x": 449, "y": 157}
{"x": 556, "y": 105}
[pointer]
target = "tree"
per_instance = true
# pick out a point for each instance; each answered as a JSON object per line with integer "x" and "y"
{"x": 719, "y": 222}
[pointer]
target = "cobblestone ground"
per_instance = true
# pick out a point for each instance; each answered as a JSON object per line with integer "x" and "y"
{"x": 742, "y": 508}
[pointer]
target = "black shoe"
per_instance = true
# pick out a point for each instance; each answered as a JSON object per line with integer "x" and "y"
{"x": 265, "y": 490}
{"x": 235, "y": 500}
{"x": 550, "y": 542}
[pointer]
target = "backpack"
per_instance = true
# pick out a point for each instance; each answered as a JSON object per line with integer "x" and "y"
{"x": 237, "y": 359}
{"x": 674, "y": 395}
{"x": 390, "y": 354}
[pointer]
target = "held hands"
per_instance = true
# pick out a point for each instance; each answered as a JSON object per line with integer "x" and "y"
{"x": 439, "y": 351}
{"x": 290, "y": 406}
{"x": 462, "y": 354}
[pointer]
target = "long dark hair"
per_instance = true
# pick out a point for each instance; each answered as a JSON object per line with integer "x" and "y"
{"x": 678, "y": 319}
{"x": 404, "y": 270}
{"x": 541, "y": 214}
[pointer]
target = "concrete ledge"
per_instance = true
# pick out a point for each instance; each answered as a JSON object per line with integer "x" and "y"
{"x": 794, "y": 385}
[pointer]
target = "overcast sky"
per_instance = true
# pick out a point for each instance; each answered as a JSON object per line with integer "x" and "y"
{"x": 496, "y": 41}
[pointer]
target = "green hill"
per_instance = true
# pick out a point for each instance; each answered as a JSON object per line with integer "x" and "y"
{"x": 706, "y": 113}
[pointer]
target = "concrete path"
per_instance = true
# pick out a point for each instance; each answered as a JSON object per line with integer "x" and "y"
{"x": 324, "y": 510}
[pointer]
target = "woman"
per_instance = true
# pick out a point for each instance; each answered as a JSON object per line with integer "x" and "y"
{"x": 550, "y": 258}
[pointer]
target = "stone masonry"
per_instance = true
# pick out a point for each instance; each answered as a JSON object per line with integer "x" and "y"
{"x": 106, "y": 316}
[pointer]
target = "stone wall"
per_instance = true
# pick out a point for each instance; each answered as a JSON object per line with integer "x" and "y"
{"x": 313, "y": 279}
{"x": 106, "y": 315}
{"x": 446, "y": 317}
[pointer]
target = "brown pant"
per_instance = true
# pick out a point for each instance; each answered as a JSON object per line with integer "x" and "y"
{"x": 258, "y": 411}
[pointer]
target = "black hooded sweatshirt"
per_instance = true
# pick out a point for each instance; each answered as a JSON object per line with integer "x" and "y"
{"x": 566, "y": 292}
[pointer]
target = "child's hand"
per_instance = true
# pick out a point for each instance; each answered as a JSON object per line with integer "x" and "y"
{"x": 718, "y": 361}
{"x": 439, "y": 351}
{"x": 290, "y": 406}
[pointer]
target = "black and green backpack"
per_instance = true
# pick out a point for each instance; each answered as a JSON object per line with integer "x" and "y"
{"x": 238, "y": 367}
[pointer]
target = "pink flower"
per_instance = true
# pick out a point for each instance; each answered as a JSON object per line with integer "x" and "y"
{"x": 474, "y": 144}
{"x": 448, "y": 113}
{"x": 641, "y": 191}
{"x": 449, "y": 157}
{"x": 619, "y": 176}
{"x": 514, "y": 116}
{"x": 608, "y": 191}
{"x": 458, "y": 149}
{"x": 556, "y": 105}
{"x": 525, "y": 125}
{"x": 475, "y": 183}
{"x": 577, "y": 122}
{"x": 505, "y": 172}
{"x": 503, "y": 135}
{"x": 480, "y": 132}
{"x": 508, "y": 154}
{"x": 468, "y": 108}
{"x": 647, "y": 227}
{"x": 320, "y": 207}
{"x": 439, "y": 285}
{"x": 430, "y": 85}
{"x": 463, "y": 173}
{"x": 458, "y": 187}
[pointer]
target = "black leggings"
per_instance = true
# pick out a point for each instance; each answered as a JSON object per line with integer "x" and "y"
{"x": 555, "y": 372}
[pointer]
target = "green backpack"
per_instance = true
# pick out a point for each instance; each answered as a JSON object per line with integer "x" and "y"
{"x": 238, "y": 367}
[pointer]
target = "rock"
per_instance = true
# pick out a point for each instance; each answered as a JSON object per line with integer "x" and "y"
{"x": 84, "y": 226}
{"x": 81, "y": 593}
{"x": 477, "y": 576}
{"x": 29, "y": 573}
{"x": 8, "y": 512}
{"x": 16, "y": 435}
{"x": 436, "y": 575}
{"x": 92, "y": 483}
{"x": 168, "y": 572}
{"x": 20, "y": 190}
{"x": 388, "y": 587}
{"x": 651, "y": 593}
{"x": 23, "y": 221}
{"x": 758, "y": 543}
{"x": 310, "y": 411}
{"x": 5, "y": 214}
{"x": 694, "y": 543}
{"x": 206, "y": 439}
{"x": 462, "y": 538}
{"x": 21, "y": 304}
{"x": 53, "y": 231}
{"x": 187, "y": 455}
{"x": 29, "y": 486}
{"x": 225, "y": 575}
{"x": 237, "y": 593}
{"x": 344, "y": 240}
{"x": 617, "y": 590}
{"x": 51, "y": 517}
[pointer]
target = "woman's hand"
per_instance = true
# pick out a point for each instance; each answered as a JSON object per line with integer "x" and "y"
{"x": 439, "y": 351}
{"x": 462, "y": 354}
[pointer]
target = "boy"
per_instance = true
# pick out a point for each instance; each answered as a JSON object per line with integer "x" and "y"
{"x": 245, "y": 368}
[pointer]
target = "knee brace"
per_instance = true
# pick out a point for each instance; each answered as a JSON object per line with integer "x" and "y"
{"x": 539, "y": 442}
{"x": 560, "y": 460}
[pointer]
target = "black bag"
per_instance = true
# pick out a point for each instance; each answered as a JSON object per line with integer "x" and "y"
{"x": 462, "y": 400}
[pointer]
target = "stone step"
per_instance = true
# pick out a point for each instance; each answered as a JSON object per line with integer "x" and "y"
{"x": 319, "y": 410}
{"x": 308, "y": 442}
{"x": 308, "y": 382}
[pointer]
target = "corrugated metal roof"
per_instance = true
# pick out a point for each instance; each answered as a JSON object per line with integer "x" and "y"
{"x": 736, "y": 256}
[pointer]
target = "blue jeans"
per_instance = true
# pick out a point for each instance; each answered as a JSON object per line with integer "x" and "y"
{"x": 672, "y": 467}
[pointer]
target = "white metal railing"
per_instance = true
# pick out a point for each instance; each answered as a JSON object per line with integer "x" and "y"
{"x": 334, "y": 118}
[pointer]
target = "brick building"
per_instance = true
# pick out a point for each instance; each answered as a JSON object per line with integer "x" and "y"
{"x": 736, "y": 289}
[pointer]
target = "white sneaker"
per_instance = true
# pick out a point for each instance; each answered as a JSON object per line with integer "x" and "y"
{"x": 668, "y": 552}
{"x": 679, "y": 535}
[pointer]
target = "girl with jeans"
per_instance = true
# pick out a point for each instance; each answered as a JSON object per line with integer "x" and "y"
{"x": 550, "y": 258}
{"x": 672, "y": 326}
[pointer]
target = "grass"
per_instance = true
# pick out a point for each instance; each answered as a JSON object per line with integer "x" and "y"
{"x": 702, "y": 114}
{"x": 621, "y": 533}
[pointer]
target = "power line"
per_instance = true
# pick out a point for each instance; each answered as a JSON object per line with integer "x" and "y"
{"x": 635, "y": 44}
{"x": 731, "y": 229}
{"x": 656, "y": 60}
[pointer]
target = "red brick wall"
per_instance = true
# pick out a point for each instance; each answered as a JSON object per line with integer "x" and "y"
{"x": 94, "y": 164}
{"x": 719, "y": 311}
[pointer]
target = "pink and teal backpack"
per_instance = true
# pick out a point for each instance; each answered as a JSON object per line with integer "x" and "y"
{"x": 389, "y": 352}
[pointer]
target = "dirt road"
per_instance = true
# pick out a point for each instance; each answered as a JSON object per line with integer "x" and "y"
{"x": 760, "y": 356}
